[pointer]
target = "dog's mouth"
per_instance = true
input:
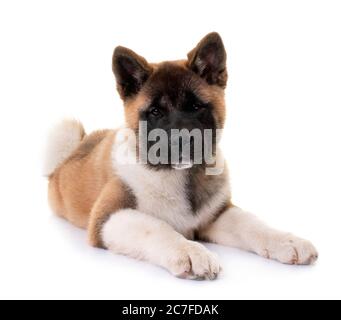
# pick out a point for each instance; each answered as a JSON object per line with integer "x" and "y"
{"x": 183, "y": 165}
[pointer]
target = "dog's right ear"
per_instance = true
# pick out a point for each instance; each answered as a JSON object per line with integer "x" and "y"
{"x": 130, "y": 70}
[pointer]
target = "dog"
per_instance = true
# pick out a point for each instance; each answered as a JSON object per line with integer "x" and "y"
{"x": 156, "y": 211}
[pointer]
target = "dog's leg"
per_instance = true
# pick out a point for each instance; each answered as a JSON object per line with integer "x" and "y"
{"x": 237, "y": 228}
{"x": 144, "y": 237}
{"x": 115, "y": 225}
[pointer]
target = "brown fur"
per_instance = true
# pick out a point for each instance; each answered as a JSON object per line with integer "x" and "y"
{"x": 114, "y": 196}
{"x": 75, "y": 186}
{"x": 159, "y": 78}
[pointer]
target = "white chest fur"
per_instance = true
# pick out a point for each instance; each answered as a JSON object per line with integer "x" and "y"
{"x": 163, "y": 194}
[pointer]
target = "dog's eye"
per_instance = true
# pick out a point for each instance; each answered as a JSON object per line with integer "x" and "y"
{"x": 156, "y": 112}
{"x": 196, "y": 107}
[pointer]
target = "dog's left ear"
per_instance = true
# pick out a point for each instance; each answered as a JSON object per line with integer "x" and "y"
{"x": 208, "y": 60}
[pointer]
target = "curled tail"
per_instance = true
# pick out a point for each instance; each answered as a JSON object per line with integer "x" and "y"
{"x": 63, "y": 140}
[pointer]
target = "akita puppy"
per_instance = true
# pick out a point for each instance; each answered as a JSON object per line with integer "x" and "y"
{"x": 154, "y": 210}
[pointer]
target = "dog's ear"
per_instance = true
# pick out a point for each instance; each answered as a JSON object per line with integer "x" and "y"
{"x": 208, "y": 60}
{"x": 131, "y": 71}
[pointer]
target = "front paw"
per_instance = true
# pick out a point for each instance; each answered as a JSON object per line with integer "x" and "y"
{"x": 290, "y": 249}
{"x": 191, "y": 260}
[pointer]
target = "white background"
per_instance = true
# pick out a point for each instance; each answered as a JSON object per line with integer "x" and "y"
{"x": 282, "y": 138}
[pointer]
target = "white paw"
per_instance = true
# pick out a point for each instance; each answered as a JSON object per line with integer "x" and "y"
{"x": 289, "y": 249}
{"x": 193, "y": 261}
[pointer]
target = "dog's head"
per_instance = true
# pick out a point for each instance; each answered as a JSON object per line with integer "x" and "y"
{"x": 185, "y": 94}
